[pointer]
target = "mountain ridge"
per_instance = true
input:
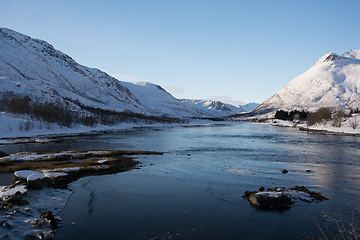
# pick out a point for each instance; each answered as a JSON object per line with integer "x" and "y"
{"x": 33, "y": 67}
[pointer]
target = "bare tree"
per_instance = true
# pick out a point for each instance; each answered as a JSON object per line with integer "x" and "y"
{"x": 337, "y": 117}
{"x": 354, "y": 122}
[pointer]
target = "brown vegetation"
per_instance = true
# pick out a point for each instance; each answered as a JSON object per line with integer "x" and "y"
{"x": 322, "y": 115}
{"x": 88, "y": 163}
{"x": 340, "y": 225}
{"x": 60, "y": 112}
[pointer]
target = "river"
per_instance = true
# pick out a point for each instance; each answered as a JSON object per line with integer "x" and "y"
{"x": 194, "y": 190}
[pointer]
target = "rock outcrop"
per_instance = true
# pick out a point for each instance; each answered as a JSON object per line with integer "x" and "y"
{"x": 281, "y": 198}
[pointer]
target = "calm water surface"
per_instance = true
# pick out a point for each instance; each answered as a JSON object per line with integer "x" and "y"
{"x": 188, "y": 193}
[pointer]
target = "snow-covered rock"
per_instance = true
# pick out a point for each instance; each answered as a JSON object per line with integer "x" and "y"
{"x": 4, "y": 191}
{"x": 29, "y": 175}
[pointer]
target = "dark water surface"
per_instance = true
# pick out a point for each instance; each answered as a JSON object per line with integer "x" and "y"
{"x": 188, "y": 193}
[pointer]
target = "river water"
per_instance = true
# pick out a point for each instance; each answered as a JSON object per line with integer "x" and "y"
{"x": 194, "y": 190}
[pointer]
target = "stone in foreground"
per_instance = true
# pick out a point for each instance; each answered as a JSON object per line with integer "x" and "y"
{"x": 281, "y": 198}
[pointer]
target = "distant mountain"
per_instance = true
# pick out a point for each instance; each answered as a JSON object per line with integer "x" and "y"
{"x": 249, "y": 107}
{"x": 210, "y": 108}
{"x": 333, "y": 81}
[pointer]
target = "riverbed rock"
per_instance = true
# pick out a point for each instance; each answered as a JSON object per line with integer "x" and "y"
{"x": 281, "y": 198}
{"x": 50, "y": 217}
{"x": 261, "y": 189}
{"x": 247, "y": 194}
{"x": 16, "y": 199}
{"x": 284, "y": 171}
{"x": 45, "y": 235}
{"x": 35, "y": 184}
{"x": 271, "y": 200}
{"x": 32, "y": 179}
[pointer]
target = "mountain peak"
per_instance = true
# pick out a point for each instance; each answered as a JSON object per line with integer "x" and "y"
{"x": 329, "y": 57}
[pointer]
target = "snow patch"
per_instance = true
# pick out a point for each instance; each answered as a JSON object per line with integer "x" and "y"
{"x": 5, "y": 191}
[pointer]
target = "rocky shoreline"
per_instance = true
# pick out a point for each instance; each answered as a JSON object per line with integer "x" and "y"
{"x": 37, "y": 174}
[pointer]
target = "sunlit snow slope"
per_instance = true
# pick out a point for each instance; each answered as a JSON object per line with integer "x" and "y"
{"x": 333, "y": 81}
{"x": 33, "y": 67}
{"x": 151, "y": 95}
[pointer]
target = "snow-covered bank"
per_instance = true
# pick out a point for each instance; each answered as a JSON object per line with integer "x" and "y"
{"x": 10, "y": 127}
{"x": 11, "y": 133}
{"x": 346, "y": 127}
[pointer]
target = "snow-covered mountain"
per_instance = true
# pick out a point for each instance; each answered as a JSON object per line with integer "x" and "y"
{"x": 151, "y": 95}
{"x": 248, "y": 107}
{"x": 34, "y": 67}
{"x": 210, "y": 108}
{"x": 333, "y": 81}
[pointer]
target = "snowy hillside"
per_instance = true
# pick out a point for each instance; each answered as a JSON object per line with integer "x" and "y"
{"x": 151, "y": 95}
{"x": 333, "y": 81}
{"x": 33, "y": 67}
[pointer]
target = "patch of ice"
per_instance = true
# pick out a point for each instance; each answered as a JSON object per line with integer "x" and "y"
{"x": 63, "y": 169}
{"x": 54, "y": 174}
{"x": 5, "y": 142}
{"x": 244, "y": 171}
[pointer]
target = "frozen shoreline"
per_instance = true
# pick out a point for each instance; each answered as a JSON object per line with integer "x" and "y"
{"x": 326, "y": 128}
{"x": 10, "y": 133}
{"x": 35, "y": 192}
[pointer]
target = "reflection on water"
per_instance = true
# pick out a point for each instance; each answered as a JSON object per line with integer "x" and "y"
{"x": 188, "y": 193}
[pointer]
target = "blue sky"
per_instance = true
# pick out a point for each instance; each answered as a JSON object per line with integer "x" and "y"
{"x": 225, "y": 50}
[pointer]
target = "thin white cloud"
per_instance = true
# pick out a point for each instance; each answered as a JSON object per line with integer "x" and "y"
{"x": 125, "y": 78}
{"x": 175, "y": 89}
{"x": 227, "y": 99}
